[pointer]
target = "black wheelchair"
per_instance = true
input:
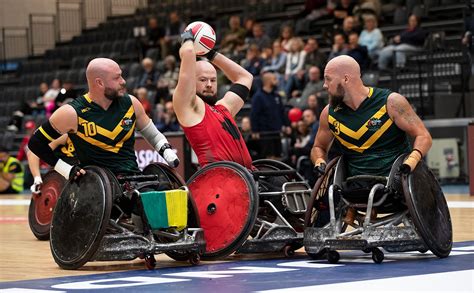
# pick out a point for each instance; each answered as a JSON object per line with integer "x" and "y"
{"x": 42, "y": 205}
{"x": 397, "y": 213}
{"x": 246, "y": 211}
{"x": 91, "y": 220}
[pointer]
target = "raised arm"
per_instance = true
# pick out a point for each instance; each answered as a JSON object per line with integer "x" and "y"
{"x": 184, "y": 96}
{"x": 235, "y": 98}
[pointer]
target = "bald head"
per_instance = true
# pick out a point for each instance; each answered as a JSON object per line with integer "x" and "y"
{"x": 344, "y": 64}
{"x": 100, "y": 68}
{"x": 104, "y": 78}
{"x": 203, "y": 66}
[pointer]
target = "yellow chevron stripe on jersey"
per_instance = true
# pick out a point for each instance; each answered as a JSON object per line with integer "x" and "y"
{"x": 107, "y": 147}
{"x": 369, "y": 142}
{"x": 107, "y": 133}
{"x": 363, "y": 129}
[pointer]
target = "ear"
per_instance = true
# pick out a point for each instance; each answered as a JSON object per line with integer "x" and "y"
{"x": 99, "y": 82}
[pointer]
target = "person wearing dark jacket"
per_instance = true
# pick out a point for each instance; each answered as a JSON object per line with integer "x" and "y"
{"x": 267, "y": 116}
{"x": 410, "y": 40}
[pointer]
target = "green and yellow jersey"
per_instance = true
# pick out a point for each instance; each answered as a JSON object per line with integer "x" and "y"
{"x": 67, "y": 152}
{"x": 367, "y": 137}
{"x": 105, "y": 138}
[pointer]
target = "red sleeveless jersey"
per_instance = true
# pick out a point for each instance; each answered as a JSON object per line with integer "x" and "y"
{"x": 217, "y": 138}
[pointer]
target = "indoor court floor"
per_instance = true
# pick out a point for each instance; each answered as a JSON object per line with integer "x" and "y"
{"x": 27, "y": 266}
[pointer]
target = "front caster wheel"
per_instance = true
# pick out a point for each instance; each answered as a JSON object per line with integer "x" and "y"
{"x": 288, "y": 251}
{"x": 150, "y": 261}
{"x": 195, "y": 259}
{"x": 377, "y": 255}
{"x": 333, "y": 256}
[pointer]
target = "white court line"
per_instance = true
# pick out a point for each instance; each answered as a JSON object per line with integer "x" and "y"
{"x": 460, "y": 281}
{"x": 461, "y": 204}
{"x": 14, "y": 202}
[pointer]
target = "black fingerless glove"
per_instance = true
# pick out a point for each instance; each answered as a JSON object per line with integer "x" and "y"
{"x": 187, "y": 36}
{"x": 319, "y": 170}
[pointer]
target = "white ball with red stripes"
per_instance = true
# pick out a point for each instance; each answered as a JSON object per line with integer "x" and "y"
{"x": 204, "y": 37}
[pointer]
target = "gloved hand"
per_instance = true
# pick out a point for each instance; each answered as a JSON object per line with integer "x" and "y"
{"x": 319, "y": 168}
{"x": 410, "y": 162}
{"x": 36, "y": 187}
{"x": 169, "y": 155}
{"x": 187, "y": 36}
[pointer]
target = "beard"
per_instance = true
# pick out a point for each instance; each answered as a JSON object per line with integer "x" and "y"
{"x": 112, "y": 94}
{"x": 208, "y": 99}
{"x": 336, "y": 99}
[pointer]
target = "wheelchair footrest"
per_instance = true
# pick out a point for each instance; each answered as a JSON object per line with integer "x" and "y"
{"x": 128, "y": 246}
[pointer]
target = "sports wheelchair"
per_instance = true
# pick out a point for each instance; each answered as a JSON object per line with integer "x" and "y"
{"x": 398, "y": 213}
{"x": 91, "y": 220}
{"x": 250, "y": 211}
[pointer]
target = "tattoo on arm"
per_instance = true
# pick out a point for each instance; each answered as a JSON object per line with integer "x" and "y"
{"x": 403, "y": 111}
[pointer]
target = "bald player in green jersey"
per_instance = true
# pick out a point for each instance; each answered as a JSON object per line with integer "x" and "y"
{"x": 368, "y": 125}
{"x": 101, "y": 125}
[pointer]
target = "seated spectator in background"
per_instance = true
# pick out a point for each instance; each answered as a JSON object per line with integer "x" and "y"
{"x": 295, "y": 85}
{"x": 170, "y": 43}
{"x": 11, "y": 173}
{"x": 314, "y": 56}
{"x": 142, "y": 96}
{"x": 343, "y": 9}
{"x": 31, "y": 106}
{"x": 268, "y": 115}
{"x": 349, "y": 26}
{"x": 302, "y": 138}
{"x": 259, "y": 37}
{"x": 150, "y": 75}
{"x": 315, "y": 9}
{"x": 167, "y": 120}
{"x": 410, "y": 40}
{"x": 66, "y": 94}
{"x": 234, "y": 38}
{"x": 364, "y": 7}
{"x": 153, "y": 37}
{"x": 295, "y": 59}
{"x": 306, "y": 169}
{"x": 313, "y": 85}
{"x": 314, "y": 102}
{"x": 50, "y": 96}
{"x": 371, "y": 36}
{"x": 253, "y": 63}
{"x": 250, "y": 138}
{"x": 286, "y": 35}
{"x": 339, "y": 46}
{"x": 248, "y": 25}
{"x": 358, "y": 52}
{"x": 277, "y": 60}
{"x": 167, "y": 81}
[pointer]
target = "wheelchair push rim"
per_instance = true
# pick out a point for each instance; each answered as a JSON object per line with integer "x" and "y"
{"x": 227, "y": 202}
{"x": 320, "y": 189}
{"x": 428, "y": 209}
{"x": 81, "y": 218}
{"x": 41, "y": 207}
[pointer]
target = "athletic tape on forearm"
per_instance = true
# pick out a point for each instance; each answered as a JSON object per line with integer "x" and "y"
{"x": 153, "y": 136}
{"x": 63, "y": 168}
{"x": 413, "y": 159}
